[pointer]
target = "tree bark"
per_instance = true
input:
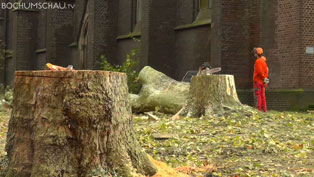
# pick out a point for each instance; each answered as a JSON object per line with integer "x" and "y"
{"x": 159, "y": 92}
{"x": 211, "y": 94}
{"x": 73, "y": 123}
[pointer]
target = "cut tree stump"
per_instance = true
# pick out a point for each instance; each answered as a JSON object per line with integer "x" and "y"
{"x": 211, "y": 94}
{"x": 73, "y": 123}
{"x": 159, "y": 92}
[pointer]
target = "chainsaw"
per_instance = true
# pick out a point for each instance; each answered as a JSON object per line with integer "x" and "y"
{"x": 206, "y": 69}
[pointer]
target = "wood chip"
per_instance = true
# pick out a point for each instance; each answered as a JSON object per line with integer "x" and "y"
{"x": 152, "y": 117}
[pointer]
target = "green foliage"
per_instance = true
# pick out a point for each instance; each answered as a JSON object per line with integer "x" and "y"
{"x": 2, "y": 55}
{"x": 3, "y": 166}
{"x": 100, "y": 172}
{"x": 129, "y": 66}
{"x": 311, "y": 107}
{"x": 6, "y": 95}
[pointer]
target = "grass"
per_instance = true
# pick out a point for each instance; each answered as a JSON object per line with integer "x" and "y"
{"x": 241, "y": 143}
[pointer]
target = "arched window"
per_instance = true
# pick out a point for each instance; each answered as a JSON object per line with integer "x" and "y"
{"x": 139, "y": 10}
{"x": 137, "y": 16}
{"x": 203, "y": 10}
{"x": 205, "y": 4}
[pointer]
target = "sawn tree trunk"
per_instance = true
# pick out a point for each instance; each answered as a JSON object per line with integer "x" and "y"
{"x": 205, "y": 95}
{"x": 159, "y": 92}
{"x": 211, "y": 94}
{"x": 73, "y": 123}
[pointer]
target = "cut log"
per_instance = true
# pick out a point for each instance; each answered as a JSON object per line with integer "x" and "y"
{"x": 73, "y": 123}
{"x": 211, "y": 94}
{"x": 159, "y": 92}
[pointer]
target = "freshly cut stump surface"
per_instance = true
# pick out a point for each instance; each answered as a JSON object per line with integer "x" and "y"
{"x": 73, "y": 123}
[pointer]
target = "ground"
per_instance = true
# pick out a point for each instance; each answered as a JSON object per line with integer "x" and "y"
{"x": 242, "y": 143}
{"x": 4, "y": 120}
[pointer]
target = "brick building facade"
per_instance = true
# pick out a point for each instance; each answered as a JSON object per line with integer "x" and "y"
{"x": 175, "y": 36}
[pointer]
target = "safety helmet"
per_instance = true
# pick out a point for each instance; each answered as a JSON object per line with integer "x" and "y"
{"x": 259, "y": 51}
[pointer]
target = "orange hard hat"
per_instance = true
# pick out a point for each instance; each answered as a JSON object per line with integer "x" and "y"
{"x": 259, "y": 51}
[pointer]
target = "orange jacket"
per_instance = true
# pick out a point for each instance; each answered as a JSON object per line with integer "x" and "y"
{"x": 260, "y": 70}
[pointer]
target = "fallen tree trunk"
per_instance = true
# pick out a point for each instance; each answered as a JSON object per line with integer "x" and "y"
{"x": 205, "y": 95}
{"x": 211, "y": 94}
{"x": 159, "y": 92}
{"x": 73, "y": 123}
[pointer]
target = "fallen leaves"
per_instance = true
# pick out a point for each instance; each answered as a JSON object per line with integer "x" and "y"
{"x": 207, "y": 169}
{"x": 4, "y": 121}
{"x": 244, "y": 142}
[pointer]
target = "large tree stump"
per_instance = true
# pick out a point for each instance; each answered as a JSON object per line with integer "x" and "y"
{"x": 73, "y": 123}
{"x": 213, "y": 94}
{"x": 159, "y": 91}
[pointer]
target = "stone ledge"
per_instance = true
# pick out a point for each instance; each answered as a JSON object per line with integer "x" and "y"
{"x": 281, "y": 99}
{"x": 277, "y": 90}
{"x": 196, "y": 24}
{"x": 128, "y": 36}
{"x": 73, "y": 44}
{"x": 41, "y": 50}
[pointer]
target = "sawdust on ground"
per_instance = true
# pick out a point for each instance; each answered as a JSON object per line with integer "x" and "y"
{"x": 164, "y": 170}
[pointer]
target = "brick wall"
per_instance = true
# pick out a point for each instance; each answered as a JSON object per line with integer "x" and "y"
{"x": 158, "y": 35}
{"x": 41, "y": 40}
{"x": 193, "y": 43}
{"x": 281, "y": 99}
{"x": 2, "y": 38}
{"x": 26, "y": 34}
{"x": 59, "y": 36}
{"x": 192, "y": 49}
{"x": 231, "y": 39}
{"x": 269, "y": 41}
{"x": 102, "y": 29}
{"x": 78, "y": 16}
{"x": 22, "y": 25}
{"x": 185, "y": 12}
{"x": 40, "y": 61}
{"x": 10, "y": 63}
{"x": 145, "y": 31}
{"x": 124, "y": 17}
{"x": 124, "y": 48}
{"x": 306, "y": 39}
{"x": 288, "y": 42}
{"x": 287, "y": 28}
{"x": 254, "y": 26}
{"x": 246, "y": 97}
{"x": 2, "y": 21}
{"x": 42, "y": 28}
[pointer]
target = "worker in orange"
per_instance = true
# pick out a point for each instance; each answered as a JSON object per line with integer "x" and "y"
{"x": 260, "y": 78}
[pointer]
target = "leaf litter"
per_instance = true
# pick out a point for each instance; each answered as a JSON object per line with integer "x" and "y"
{"x": 242, "y": 143}
{"x": 245, "y": 142}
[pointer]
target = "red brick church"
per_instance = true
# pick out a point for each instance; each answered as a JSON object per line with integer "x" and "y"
{"x": 175, "y": 36}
